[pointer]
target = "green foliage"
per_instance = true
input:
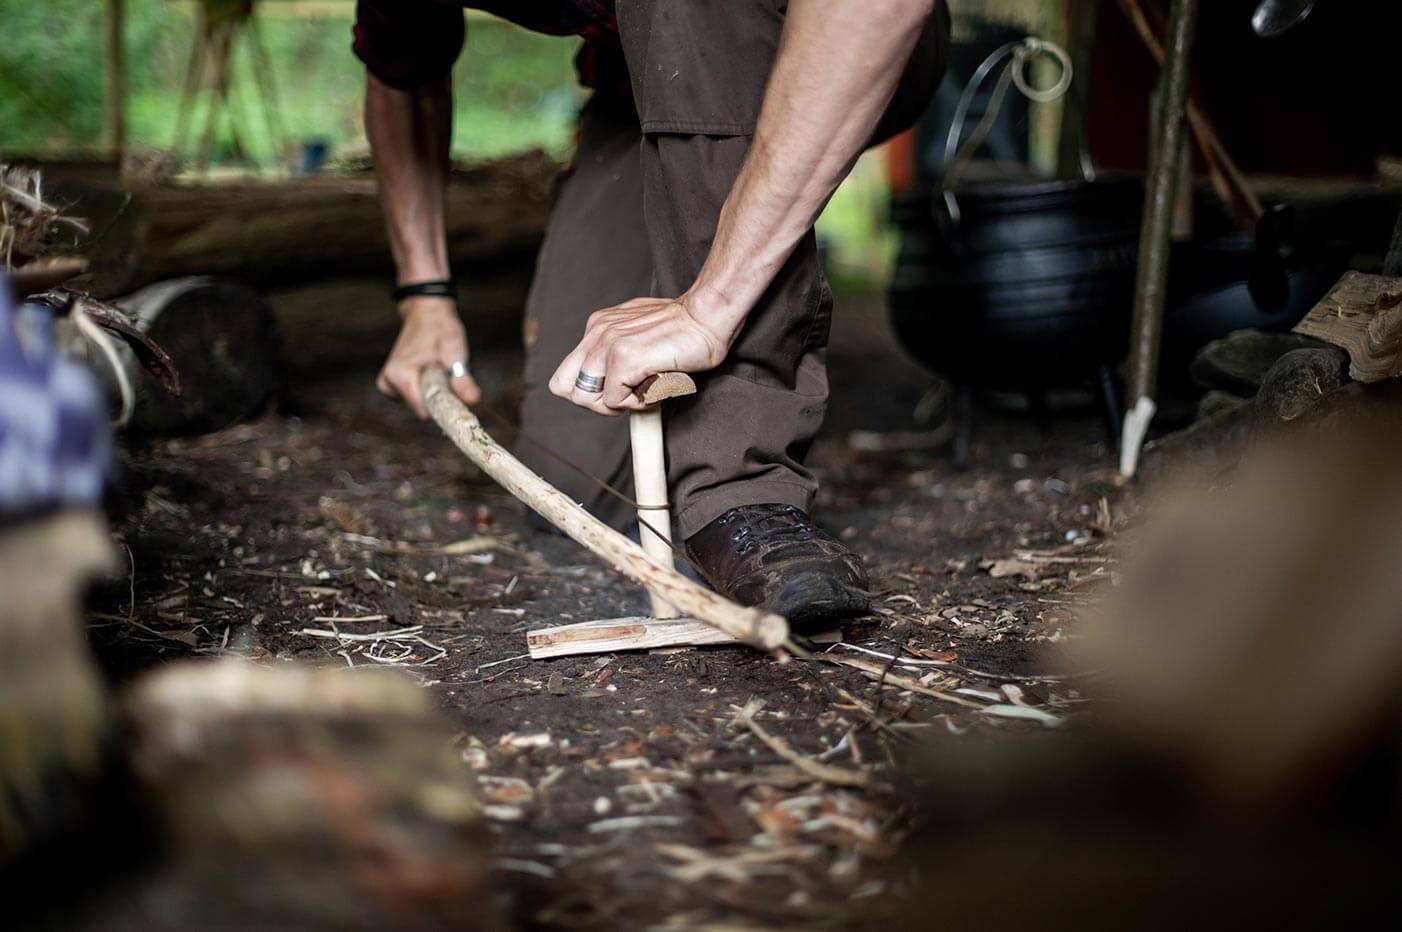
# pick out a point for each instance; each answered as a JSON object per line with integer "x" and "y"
{"x": 47, "y": 81}
{"x": 516, "y": 90}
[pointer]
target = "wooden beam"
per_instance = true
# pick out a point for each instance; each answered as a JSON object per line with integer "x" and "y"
{"x": 115, "y": 92}
{"x": 1080, "y": 22}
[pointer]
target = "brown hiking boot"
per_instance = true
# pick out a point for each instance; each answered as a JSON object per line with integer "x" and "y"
{"x": 773, "y": 556}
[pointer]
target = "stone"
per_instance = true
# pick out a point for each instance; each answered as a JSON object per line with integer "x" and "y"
{"x": 1298, "y": 380}
{"x": 1238, "y": 362}
{"x": 1217, "y": 402}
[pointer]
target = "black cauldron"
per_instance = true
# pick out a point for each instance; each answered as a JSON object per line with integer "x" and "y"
{"x": 1032, "y": 288}
{"x": 1029, "y": 289}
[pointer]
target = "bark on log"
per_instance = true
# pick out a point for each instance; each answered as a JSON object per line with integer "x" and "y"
{"x": 221, "y": 336}
{"x": 299, "y": 229}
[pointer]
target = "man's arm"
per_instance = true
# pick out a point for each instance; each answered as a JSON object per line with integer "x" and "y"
{"x": 410, "y": 132}
{"x": 837, "y": 68}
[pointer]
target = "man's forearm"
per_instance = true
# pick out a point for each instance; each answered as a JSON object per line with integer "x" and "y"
{"x": 837, "y": 68}
{"x": 410, "y": 133}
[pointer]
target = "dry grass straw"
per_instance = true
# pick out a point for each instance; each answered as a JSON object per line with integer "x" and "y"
{"x": 30, "y": 226}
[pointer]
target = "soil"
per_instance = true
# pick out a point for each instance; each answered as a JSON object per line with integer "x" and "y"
{"x": 628, "y": 790}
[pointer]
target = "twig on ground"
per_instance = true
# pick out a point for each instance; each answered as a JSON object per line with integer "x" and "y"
{"x": 396, "y": 635}
{"x": 874, "y": 672}
{"x": 838, "y": 776}
{"x": 350, "y": 619}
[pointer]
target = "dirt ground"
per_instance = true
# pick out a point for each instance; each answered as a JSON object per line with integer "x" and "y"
{"x": 665, "y": 790}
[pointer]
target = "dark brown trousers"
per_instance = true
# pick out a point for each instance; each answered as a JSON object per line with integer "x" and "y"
{"x": 634, "y": 216}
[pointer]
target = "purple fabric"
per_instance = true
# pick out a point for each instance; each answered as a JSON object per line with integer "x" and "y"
{"x": 55, "y": 438}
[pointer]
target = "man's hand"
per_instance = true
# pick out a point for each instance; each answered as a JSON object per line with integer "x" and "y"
{"x": 409, "y": 132}
{"x": 636, "y": 339}
{"x": 816, "y": 119}
{"x": 432, "y": 337}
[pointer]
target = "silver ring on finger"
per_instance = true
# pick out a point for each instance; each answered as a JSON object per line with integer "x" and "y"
{"x": 459, "y": 370}
{"x": 589, "y": 384}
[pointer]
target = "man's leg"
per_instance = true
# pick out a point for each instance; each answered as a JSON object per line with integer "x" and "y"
{"x": 699, "y": 69}
{"x": 595, "y": 254}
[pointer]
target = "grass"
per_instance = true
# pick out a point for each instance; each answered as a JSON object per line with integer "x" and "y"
{"x": 518, "y": 92}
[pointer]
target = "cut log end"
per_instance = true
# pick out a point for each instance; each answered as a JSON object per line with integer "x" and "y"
{"x": 771, "y": 631}
{"x": 222, "y": 339}
{"x": 658, "y": 388}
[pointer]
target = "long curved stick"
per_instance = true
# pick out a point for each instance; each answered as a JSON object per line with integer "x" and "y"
{"x": 757, "y": 628}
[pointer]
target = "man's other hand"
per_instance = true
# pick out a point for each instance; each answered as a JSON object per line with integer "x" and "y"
{"x": 432, "y": 337}
{"x": 632, "y": 341}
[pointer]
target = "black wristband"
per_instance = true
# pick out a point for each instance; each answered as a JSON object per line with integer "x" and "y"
{"x": 440, "y": 288}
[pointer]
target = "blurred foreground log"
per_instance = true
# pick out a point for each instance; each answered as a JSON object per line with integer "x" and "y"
{"x": 296, "y": 798}
{"x": 53, "y": 712}
{"x": 298, "y": 229}
{"x": 1242, "y": 767}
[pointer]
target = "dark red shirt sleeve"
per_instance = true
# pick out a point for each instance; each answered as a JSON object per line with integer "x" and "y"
{"x": 406, "y": 43}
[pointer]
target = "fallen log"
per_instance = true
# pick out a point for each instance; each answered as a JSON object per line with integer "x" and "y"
{"x": 751, "y": 626}
{"x": 282, "y": 232}
{"x": 221, "y": 337}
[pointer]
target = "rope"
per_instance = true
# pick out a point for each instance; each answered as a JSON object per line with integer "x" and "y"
{"x": 1020, "y": 54}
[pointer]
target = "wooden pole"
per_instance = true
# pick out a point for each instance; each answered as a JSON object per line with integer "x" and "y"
{"x": 1227, "y": 180}
{"x": 1156, "y": 232}
{"x": 115, "y": 116}
{"x": 1080, "y": 19}
{"x": 757, "y": 628}
{"x": 650, "y": 475}
{"x": 650, "y": 483}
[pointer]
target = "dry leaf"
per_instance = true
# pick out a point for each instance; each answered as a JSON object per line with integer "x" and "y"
{"x": 345, "y": 517}
{"x": 1002, "y": 568}
{"x": 925, "y": 653}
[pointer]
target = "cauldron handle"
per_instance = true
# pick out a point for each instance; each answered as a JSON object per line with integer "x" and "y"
{"x": 1021, "y": 51}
